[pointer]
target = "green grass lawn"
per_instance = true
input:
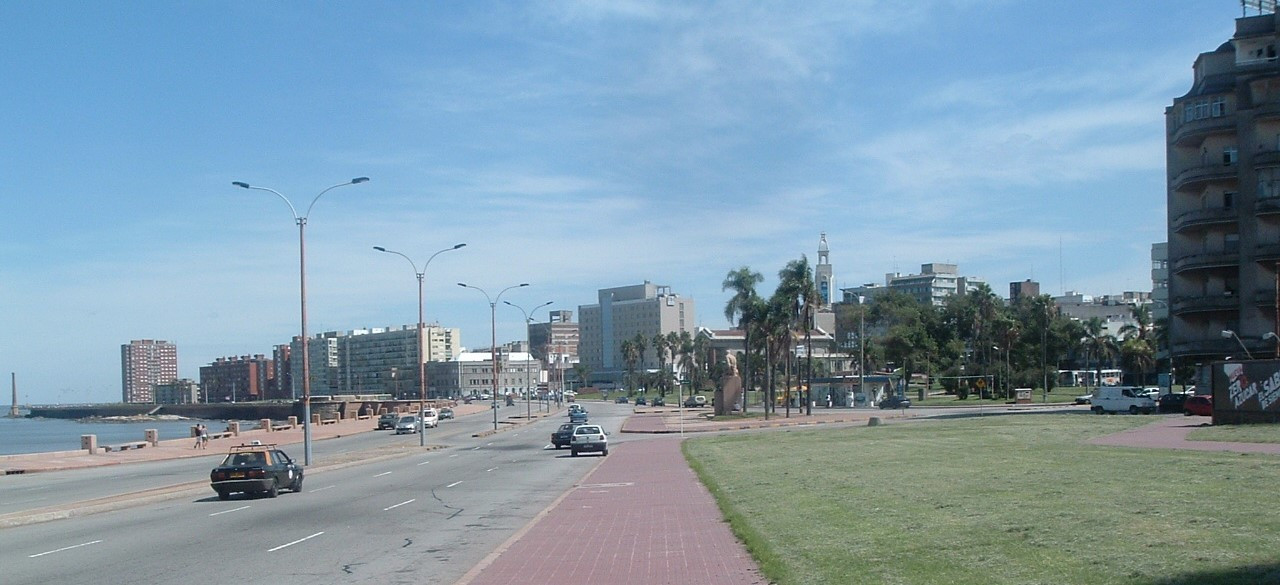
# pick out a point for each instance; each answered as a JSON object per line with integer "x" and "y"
{"x": 1004, "y": 499}
{"x": 1262, "y": 433}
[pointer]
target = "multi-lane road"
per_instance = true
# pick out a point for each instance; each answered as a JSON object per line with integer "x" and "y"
{"x": 426, "y": 516}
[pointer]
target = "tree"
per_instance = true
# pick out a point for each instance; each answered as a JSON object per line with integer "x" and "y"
{"x": 795, "y": 281}
{"x": 743, "y": 283}
{"x": 583, "y": 371}
{"x": 661, "y": 344}
{"x": 1098, "y": 344}
{"x": 1139, "y": 355}
{"x": 630, "y": 355}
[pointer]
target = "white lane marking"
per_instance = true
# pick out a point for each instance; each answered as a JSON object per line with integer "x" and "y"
{"x": 477, "y": 448}
{"x": 231, "y": 510}
{"x": 323, "y": 488}
{"x": 383, "y": 473}
{"x": 488, "y": 444}
{"x": 453, "y": 484}
{"x": 294, "y": 542}
{"x": 400, "y": 504}
{"x": 454, "y": 455}
{"x": 62, "y": 549}
{"x": 423, "y": 463}
{"x": 491, "y": 469}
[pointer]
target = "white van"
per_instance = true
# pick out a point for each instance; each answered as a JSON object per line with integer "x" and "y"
{"x": 430, "y": 418}
{"x": 1122, "y": 399}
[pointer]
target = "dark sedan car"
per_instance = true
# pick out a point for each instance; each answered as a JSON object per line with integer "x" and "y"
{"x": 256, "y": 469}
{"x": 563, "y": 435}
{"x": 1172, "y": 402}
{"x": 895, "y": 402}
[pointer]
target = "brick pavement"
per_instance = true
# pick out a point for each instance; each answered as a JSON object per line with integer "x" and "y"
{"x": 1171, "y": 432}
{"x": 641, "y": 517}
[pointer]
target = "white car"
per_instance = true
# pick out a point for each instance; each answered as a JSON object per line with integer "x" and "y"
{"x": 589, "y": 438}
{"x": 1122, "y": 399}
{"x": 430, "y": 418}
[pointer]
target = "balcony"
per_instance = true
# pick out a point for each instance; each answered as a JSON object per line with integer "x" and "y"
{"x": 1267, "y": 206}
{"x": 1215, "y": 347}
{"x": 1266, "y": 253}
{"x": 1200, "y": 218}
{"x": 1264, "y": 298}
{"x": 1183, "y": 305}
{"x": 1206, "y": 261}
{"x": 1194, "y": 132}
{"x": 1196, "y": 177}
{"x": 1266, "y": 159}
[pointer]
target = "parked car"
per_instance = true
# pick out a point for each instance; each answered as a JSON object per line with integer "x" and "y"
{"x": 1128, "y": 399}
{"x": 563, "y": 435}
{"x": 446, "y": 413}
{"x": 1152, "y": 392}
{"x": 695, "y": 401}
{"x": 408, "y": 424}
{"x": 896, "y": 401}
{"x": 1084, "y": 398}
{"x": 589, "y": 438}
{"x": 1172, "y": 402}
{"x": 430, "y": 418}
{"x": 1199, "y": 405}
{"x": 388, "y": 421}
{"x": 621, "y": 400}
{"x": 658, "y": 401}
{"x": 255, "y": 469}
{"x": 640, "y": 401}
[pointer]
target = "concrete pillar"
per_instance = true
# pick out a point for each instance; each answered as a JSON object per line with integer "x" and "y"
{"x": 315, "y": 419}
{"x": 89, "y": 443}
{"x": 265, "y": 424}
{"x": 293, "y": 422}
{"x": 152, "y": 436}
{"x": 234, "y": 427}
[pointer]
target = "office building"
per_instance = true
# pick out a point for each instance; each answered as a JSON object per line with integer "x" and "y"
{"x": 143, "y": 364}
{"x": 621, "y": 314}
{"x": 237, "y": 378}
{"x": 470, "y": 374}
{"x": 1223, "y": 159}
{"x": 1028, "y": 289}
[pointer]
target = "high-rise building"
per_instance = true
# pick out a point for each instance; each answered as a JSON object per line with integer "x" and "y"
{"x": 1223, "y": 159}
{"x": 378, "y": 360}
{"x": 182, "y": 391}
{"x": 237, "y": 378}
{"x": 1025, "y": 289}
{"x": 622, "y": 314}
{"x": 282, "y": 380}
{"x": 145, "y": 363}
{"x": 471, "y": 374}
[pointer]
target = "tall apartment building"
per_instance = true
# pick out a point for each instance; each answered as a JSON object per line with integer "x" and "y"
{"x": 1223, "y": 159}
{"x": 379, "y": 360}
{"x": 1159, "y": 281}
{"x": 935, "y": 282}
{"x": 143, "y": 364}
{"x": 559, "y": 336}
{"x": 282, "y": 379}
{"x": 237, "y": 378}
{"x": 621, "y": 314}
{"x": 1026, "y": 289}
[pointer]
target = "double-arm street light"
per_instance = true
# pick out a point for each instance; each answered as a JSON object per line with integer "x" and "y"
{"x": 528, "y": 393}
{"x": 422, "y": 367}
{"x": 1227, "y": 333}
{"x": 301, "y": 220}
{"x": 493, "y": 344}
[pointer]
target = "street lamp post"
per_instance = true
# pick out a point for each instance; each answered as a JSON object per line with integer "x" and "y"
{"x": 528, "y": 393}
{"x": 422, "y": 367}
{"x": 862, "y": 346}
{"x": 493, "y": 339}
{"x": 1227, "y": 333}
{"x": 301, "y": 220}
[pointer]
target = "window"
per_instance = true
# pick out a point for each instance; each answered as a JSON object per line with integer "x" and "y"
{"x": 1218, "y": 107}
{"x": 1229, "y": 155}
{"x": 1231, "y": 243}
{"x": 1228, "y": 199}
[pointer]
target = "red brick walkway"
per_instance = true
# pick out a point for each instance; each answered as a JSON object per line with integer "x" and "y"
{"x": 641, "y": 517}
{"x": 1171, "y": 433}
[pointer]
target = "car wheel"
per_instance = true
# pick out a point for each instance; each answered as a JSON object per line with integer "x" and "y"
{"x": 223, "y": 494}
{"x": 606, "y": 452}
{"x": 274, "y": 490}
{"x": 1133, "y": 410}
{"x": 1097, "y": 409}
{"x": 573, "y": 452}
{"x": 297, "y": 485}
{"x": 558, "y": 447}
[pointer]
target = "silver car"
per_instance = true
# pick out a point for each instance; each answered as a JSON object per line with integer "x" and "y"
{"x": 409, "y": 424}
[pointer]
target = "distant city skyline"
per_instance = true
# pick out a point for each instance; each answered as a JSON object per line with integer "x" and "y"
{"x": 571, "y": 145}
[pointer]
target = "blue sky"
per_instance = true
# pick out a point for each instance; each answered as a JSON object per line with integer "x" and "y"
{"x": 574, "y": 145}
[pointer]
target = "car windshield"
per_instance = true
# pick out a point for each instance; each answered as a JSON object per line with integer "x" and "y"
{"x": 587, "y": 431}
{"x": 407, "y": 419}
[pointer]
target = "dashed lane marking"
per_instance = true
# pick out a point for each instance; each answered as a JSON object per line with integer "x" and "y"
{"x": 288, "y": 544}
{"x": 230, "y": 511}
{"x": 62, "y": 549}
{"x": 400, "y": 504}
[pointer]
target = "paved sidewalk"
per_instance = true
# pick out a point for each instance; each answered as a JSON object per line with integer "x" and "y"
{"x": 696, "y": 420}
{"x": 641, "y": 517}
{"x": 1171, "y": 433}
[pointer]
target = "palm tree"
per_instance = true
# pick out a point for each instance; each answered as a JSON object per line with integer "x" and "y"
{"x": 796, "y": 282}
{"x": 630, "y": 356}
{"x": 1138, "y": 353}
{"x": 743, "y": 283}
{"x": 660, "y": 347}
{"x": 583, "y": 371}
{"x": 774, "y": 327}
{"x": 688, "y": 358}
{"x": 642, "y": 343}
{"x": 1098, "y": 343}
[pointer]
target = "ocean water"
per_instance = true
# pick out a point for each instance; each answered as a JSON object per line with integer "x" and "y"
{"x": 40, "y": 435}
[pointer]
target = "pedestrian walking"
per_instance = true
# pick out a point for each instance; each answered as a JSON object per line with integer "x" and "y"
{"x": 199, "y": 436}
{"x": 204, "y": 437}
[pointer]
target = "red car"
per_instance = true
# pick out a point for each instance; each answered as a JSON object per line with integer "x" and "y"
{"x": 1199, "y": 406}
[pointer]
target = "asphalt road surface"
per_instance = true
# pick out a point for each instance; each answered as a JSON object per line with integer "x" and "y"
{"x": 425, "y": 517}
